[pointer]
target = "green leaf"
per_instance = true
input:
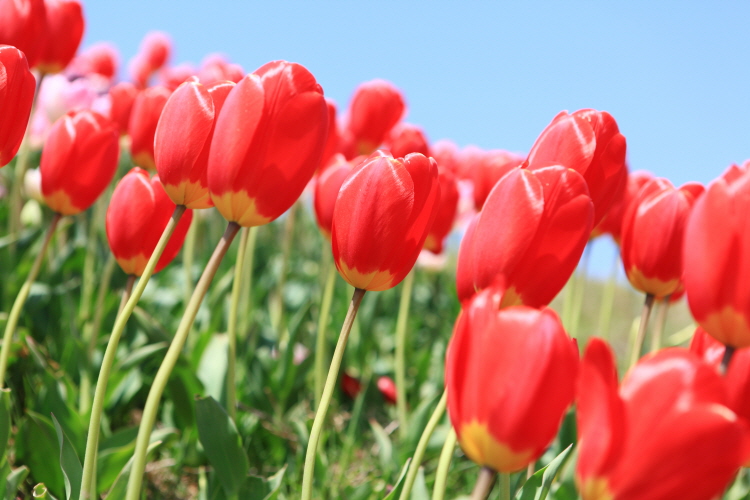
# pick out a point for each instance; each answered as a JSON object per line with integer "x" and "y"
{"x": 538, "y": 485}
{"x": 36, "y": 444}
{"x": 222, "y": 444}
{"x": 419, "y": 490}
{"x": 259, "y": 488}
{"x": 4, "y": 422}
{"x": 396, "y": 491}
{"x": 121, "y": 483}
{"x": 212, "y": 369}
{"x": 69, "y": 463}
{"x": 386, "y": 447}
{"x": 14, "y": 479}
{"x": 41, "y": 491}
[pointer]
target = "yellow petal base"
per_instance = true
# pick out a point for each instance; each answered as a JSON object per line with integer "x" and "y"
{"x": 60, "y": 202}
{"x": 237, "y": 206}
{"x": 595, "y": 489}
{"x": 654, "y": 286}
{"x": 728, "y": 326}
{"x": 482, "y": 448}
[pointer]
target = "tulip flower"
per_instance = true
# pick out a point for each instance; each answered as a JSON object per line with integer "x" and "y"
{"x": 387, "y": 388}
{"x": 17, "y": 87}
{"x": 485, "y": 168}
{"x": 667, "y": 425}
{"x": 652, "y": 236}
{"x": 78, "y": 161}
{"x": 183, "y": 138}
{"x": 446, "y": 212}
{"x": 528, "y": 238}
{"x": 144, "y": 117}
{"x": 510, "y": 375}
{"x": 612, "y": 223}
{"x": 137, "y": 215}
{"x": 153, "y": 54}
{"x": 215, "y": 68}
{"x": 350, "y": 386}
{"x": 589, "y": 142}
{"x": 382, "y": 216}
{"x": 22, "y": 24}
{"x": 717, "y": 274}
{"x": 406, "y": 138}
{"x": 327, "y": 186}
{"x": 99, "y": 59}
{"x": 267, "y": 144}
{"x": 446, "y": 155}
{"x": 122, "y": 96}
{"x": 376, "y": 107}
{"x": 332, "y": 137}
{"x": 62, "y": 36}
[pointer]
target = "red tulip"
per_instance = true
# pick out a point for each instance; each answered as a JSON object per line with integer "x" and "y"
{"x": 332, "y": 137}
{"x": 137, "y": 215}
{"x": 183, "y": 139}
{"x": 589, "y": 142}
{"x": 528, "y": 238}
{"x": 99, "y": 59}
{"x": 154, "y": 53}
{"x": 144, "y": 117}
{"x": 22, "y": 24}
{"x": 327, "y": 188}
{"x": 406, "y": 138}
{"x": 383, "y": 213}
{"x": 446, "y": 212}
{"x": 17, "y": 87}
{"x": 78, "y": 161}
{"x": 652, "y": 235}
{"x": 667, "y": 426}
{"x": 122, "y": 96}
{"x": 215, "y": 69}
{"x": 510, "y": 375}
{"x": 268, "y": 142}
{"x": 612, "y": 223}
{"x": 387, "y": 388}
{"x": 376, "y": 107}
{"x": 446, "y": 155}
{"x": 63, "y": 34}
{"x": 485, "y": 168}
{"x": 717, "y": 272}
{"x": 350, "y": 385}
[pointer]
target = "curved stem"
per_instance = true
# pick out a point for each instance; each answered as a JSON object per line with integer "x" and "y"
{"x": 232, "y": 327}
{"x": 400, "y": 368}
{"x": 320, "y": 339}
{"x": 325, "y": 400}
{"x": 188, "y": 256}
{"x": 484, "y": 484}
{"x": 444, "y": 463}
{"x": 638, "y": 344}
{"x": 170, "y": 360}
{"x": 92, "y": 440}
{"x": 411, "y": 474}
{"x": 23, "y": 294}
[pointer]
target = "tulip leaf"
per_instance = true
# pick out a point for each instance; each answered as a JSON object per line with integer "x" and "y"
{"x": 538, "y": 485}
{"x": 119, "y": 488}
{"x": 69, "y": 463}
{"x": 36, "y": 442}
{"x": 386, "y": 447}
{"x": 4, "y": 422}
{"x": 260, "y": 488}
{"x": 40, "y": 491}
{"x": 222, "y": 444}
{"x": 396, "y": 491}
{"x": 13, "y": 480}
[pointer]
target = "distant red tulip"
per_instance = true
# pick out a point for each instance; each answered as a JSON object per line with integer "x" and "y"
{"x": 215, "y": 69}
{"x": 406, "y": 138}
{"x": 122, "y": 96}
{"x": 332, "y": 137}
{"x": 144, "y": 117}
{"x": 387, "y": 388}
{"x": 63, "y": 34}
{"x": 652, "y": 236}
{"x": 183, "y": 138}
{"x": 327, "y": 186}
{"x": 446, "y": 155}
{"x": 485, "y": 168}
{"x": 446, "y": 212}
{"x": 528, "y": 238}
{"x": 612, "y": 223}
{"x": 22, "y": 24}
{"x": 17, "y": 87}
{"x": 153, "y": 54}
{"x": 78, "y": 161}
{"x": 666, "y": 426}
{"x": 350, "y": 385}
{"x": 101, "y": 59}
{"x": 137, "y": 215}
{"x": 376, "y": 107}
{"x": 268, "y": 142}
{"x": 717, "y": 271}
{"x": 383, "y": 213}
{"x": 505, "y": 408}
{"x": 589, "y": 142}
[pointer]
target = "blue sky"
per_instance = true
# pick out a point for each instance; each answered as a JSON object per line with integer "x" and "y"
{"x": 675, "y": 75}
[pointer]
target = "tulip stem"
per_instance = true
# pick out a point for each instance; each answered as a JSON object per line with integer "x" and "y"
{"x": 638, "y": 344}
{"x": 608, "y": 298}
{"x": 246, "y": 295}
{"x": 325, "y": 400}
{"x": 726, "y": 359}
{"x": 661, "y": 321}
{"x": 188, "y": 257}
{"x": 579, "y": 291}
{"x": 400, "y": 368}
{"x": 232, "y": 327}
{"x": 23, "y": 294}
{"x": 321, "y": 337}
{"x": 484, "y": 484}
{"x": 92, "y": 440}
{"x": 96, "y": 324}
{"x": 411, "y": 474}
{"x": 444, "y": 463}
{"x": 170, "y": 360}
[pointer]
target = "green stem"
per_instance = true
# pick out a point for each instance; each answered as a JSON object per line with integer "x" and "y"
{"x": 641, "y": 335}
{"x": 320, "y": 339}
{"x": 246, "y": 297}
{"x": 87, "y": 281}
{"x": 608, "y": 299}
{"x": 325, "y": 401}
{"x": 411, "y": 474}
{"x": 23, "y": 294}
{"x": 444, "y": 463}
{"x": 96, "y": 324}
{"x": 351, "y": 431}
{"x": 277, "y": 316}
{"x": 232, "y": 327}
{"x": 484, "y": 484}
{"x": 504, "y": 485}
{"x": 170, "y": 360}
{"x": 580, "y": 291}
{"x": 188, "y": 257}
{"x": 661, "y": 322}
{"x": 92, "y": 440}
{"x": 400, "y": 368}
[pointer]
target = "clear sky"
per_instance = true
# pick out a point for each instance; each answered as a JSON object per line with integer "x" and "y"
{"x": 675, "y": 75}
